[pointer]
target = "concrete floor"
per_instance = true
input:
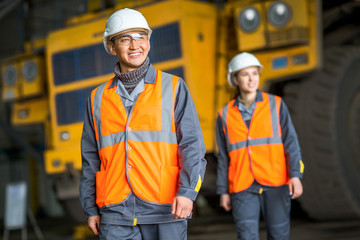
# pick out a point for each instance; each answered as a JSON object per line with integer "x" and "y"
{"x": 209, "y": 227}
{"x": 222, "y": 228}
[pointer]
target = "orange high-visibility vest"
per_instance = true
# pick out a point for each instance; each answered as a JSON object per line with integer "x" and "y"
{"x": 256, "y": 152}
{"x": 138, "y": 152}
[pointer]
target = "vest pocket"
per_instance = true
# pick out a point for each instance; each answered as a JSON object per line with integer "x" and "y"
{"x": 100, "y": 188}
{"x": 169, "y": 184}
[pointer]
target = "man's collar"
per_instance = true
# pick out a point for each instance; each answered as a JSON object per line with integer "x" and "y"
{"x": 150, "y": 75}
{"x": 114, "y": 81}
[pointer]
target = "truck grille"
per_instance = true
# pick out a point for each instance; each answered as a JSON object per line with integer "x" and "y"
{"x": 81, "y": 63}
{"x": 295, "y": 35}
{"x": 70, "y": 106}
{"x": 165, "y": 43}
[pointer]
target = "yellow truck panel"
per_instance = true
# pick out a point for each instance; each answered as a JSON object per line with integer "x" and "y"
{"x": 35, "y": 111}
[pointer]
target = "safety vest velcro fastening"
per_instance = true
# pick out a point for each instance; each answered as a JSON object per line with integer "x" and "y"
{"x": 138, "y": 151}
{"x": 256, "y": 152}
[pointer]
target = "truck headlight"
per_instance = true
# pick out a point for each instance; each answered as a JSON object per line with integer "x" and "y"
{"x": 65, "y": 135}
{"x": 56, "y": 162}
{"x": 279, "y": 14}
{"x": 249, "y": 19}
{"x": 30, "y": 70}
{"x": 23, "y": 113}
{"x": 10, "y": 75}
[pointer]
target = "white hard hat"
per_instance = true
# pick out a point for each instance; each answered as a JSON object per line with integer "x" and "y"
{"x": 239, "y": 62}
{"x": 121, "y": 20}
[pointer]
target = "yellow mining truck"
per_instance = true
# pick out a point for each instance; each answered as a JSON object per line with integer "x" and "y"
{"x": 319, "y": 80}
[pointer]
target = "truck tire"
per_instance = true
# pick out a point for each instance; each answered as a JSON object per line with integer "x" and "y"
{"x": 325, "y": 109}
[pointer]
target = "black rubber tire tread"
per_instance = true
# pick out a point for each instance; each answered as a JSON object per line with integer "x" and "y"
{"x": 318, "y": 107}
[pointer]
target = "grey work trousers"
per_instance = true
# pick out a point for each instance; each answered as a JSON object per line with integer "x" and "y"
{"x": 274, "y": 203}
{"x": 161, "y": 231}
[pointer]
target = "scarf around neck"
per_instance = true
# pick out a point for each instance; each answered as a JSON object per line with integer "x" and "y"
{"x": 132, "y": 78}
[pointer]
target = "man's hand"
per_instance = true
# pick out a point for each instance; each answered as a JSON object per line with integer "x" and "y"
{"x": 181, "y": 207}
{"x": 225, "y": 202}
{"x": 94, "y": 224}
{"x": 295, "y": 187}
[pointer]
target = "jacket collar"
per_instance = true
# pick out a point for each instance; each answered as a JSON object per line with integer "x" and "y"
{"x": 258, "y": 98}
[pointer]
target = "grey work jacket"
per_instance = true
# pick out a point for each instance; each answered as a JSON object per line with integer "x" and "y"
{"x": 191, "y": 151}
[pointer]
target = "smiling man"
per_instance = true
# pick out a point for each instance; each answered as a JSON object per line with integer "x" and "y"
{"x": 142, "y": 146}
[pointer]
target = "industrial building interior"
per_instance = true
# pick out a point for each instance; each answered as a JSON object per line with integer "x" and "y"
{"x": 26, "y": 27}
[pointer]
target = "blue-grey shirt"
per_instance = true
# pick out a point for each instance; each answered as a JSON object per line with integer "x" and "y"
{"x": 126, "y": 98}
{"x": 289, "y": 139}
{"x": 191, "y": 152}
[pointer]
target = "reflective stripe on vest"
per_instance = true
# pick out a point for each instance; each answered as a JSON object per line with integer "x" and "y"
{"x": 140, "y": 136}
{"x": 256, "y": 152}
{"x": 146, "y": 145}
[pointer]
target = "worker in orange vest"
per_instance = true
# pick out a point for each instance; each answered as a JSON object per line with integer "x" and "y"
{"x": 142, "y": 147}
{"x": 259, "y": 160}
